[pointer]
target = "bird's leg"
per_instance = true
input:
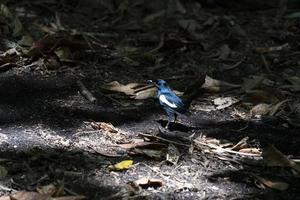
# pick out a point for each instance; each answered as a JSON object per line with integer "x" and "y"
{"x": 170, "y": 117}
{"x": 175, "y": 118}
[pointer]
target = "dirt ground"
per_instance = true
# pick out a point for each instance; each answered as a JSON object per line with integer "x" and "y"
{"x": 51, "y": 132}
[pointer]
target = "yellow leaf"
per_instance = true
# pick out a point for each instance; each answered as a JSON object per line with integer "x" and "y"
{"x": 125, "y": 164}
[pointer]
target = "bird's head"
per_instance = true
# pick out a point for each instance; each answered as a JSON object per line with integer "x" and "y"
{"x": 159, "y": 83}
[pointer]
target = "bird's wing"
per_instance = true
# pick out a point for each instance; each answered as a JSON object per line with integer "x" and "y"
{"x": 172, "y": 101}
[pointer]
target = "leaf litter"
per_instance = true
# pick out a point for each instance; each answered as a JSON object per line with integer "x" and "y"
{"x": 239, "y": 76}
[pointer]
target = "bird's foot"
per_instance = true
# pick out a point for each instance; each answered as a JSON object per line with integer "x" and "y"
{"x": 167, "y": 126}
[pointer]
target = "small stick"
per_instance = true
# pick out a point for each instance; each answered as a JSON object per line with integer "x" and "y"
{"x": 266, "y": 64}
{"x": 263, "y": 50}
{"x": 213, "y": 146}
{"x": 86, "y": 93}
{"x": 163, "y": 139}
{"x": 3, "y": 187}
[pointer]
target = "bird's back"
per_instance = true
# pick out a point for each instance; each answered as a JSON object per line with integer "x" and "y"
{"x": 169, "y": 100}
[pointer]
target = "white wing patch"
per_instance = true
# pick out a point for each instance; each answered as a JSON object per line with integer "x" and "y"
{"x": 163, "y": 99}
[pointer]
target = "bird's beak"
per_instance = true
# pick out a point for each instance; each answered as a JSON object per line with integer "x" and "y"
{"x": 152, "y": 82}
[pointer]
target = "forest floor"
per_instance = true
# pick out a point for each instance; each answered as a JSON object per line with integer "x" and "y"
{"x": 75, "y": 102}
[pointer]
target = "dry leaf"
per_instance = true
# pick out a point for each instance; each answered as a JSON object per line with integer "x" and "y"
{"x": 173, "y": 154}
{"x": 225, "y": 102}
{"x": 260, "y": 109}
{"x": 149, "y": 182}
{"x": 69, "y": 198}
{"x": 275, "y": 108}
{"x": 108, "y": 127}
{"x": 125, "y": 164}
{"x": 135, "y": 90}
{"x": 145, "y": 94}
{"x": 130, "y": 89}
{"x": 213, "y": 85}
{"x": 26, "y": 40}
{"x": 5, "y": 198}
{"x": 154, "y": 16}
{"x": 63, "y": 53}
{"x": 241, "y": 144}
{"x": 252, "y": 83}
{"x": 259, "y": 96}
{"x": 277, "y": 185}
{"x": 23, "y": 195}
{"x": 18, "y": 27}
{"x": 47, "y": 189}
{"x": 3, "y": 172}
{"x": 295, "y": 84}
{"x": 273, "y": 157}
{"x": 152, "y": 153}
{"x": 144, "y": 145}
{"x": 250, "y": 150}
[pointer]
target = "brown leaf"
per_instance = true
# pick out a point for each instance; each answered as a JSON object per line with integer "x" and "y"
{"x": 273, "y": 157}
{"x": 213, "y": 85}
{"x": 260, "y": 96}
{"x": 47, "y": 189}
{"x": 146, "y": 94}
{"x": 146, "y": 182}
{"x": 241, "y": 144}
{"x": 5, "y": 198}
{"x": 260, "y": 109}
{"x": 49, "y": 45}
{"x": 252, "y": 83}
{"x": 108, "y": 127}
{"x": 276, "y": 107}
{"x": 250, "y": 150}
{"x": 69, "y": 198}
{"x": 134, "y": 90}
{"x": 3, "y": 172}
{"x": 277, "y": 185}
{"x": 23, "y": 195}
{"x": 152, "y": 153}
{"x": 144, "y": 145}
{"x": 128, "y": 89}
{"x": 173, "y": 154}
{"x": 51, "y": 62}
{"x": 224, "y": 102}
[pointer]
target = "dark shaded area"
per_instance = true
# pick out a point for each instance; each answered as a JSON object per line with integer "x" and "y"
{"x": 45, "y": 122}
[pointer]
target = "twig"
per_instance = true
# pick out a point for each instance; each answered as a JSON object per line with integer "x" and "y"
{"x": 73, "y": 193}
{"x": 102, "y": 153}
{"x": 229, "y": 67}
{"x": 3, "y": 187}
{"x": 266, "y": 64}
{"x": 86, "y": 93}
{"x": 163, "y": 139}
{"x": 112, "y": 99}
{"x": 213, "y": 146}
{"x": 263, "y": 50}
{"x": 282, "y": 6}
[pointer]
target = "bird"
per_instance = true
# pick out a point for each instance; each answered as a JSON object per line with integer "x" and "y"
{"x": 170, "y": 102}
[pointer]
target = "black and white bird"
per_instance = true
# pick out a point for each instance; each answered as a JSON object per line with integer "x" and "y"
{"x": 169, "y": 101}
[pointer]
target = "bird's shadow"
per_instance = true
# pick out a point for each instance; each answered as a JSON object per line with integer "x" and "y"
{"x": 175, "y": 126}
